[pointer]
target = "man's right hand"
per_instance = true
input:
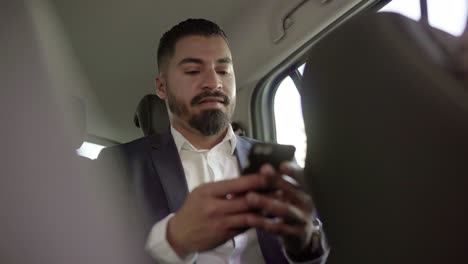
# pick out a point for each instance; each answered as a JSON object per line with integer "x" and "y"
{"x": 213, "y": 213}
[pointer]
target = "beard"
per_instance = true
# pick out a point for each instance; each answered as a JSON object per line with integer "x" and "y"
{"x": 208, "y": 122}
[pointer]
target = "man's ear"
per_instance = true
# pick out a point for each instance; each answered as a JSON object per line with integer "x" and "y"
{"x": 161, "y": 87}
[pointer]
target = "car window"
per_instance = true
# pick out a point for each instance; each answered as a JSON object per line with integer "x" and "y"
{"x": 449, "y": 16}
{"x": 289, "y": 123}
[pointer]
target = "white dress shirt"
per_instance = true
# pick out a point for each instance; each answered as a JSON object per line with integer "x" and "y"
{"x": 203, "y": 166}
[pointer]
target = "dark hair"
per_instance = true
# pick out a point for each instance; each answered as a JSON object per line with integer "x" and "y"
{"x": 191, "y": 26}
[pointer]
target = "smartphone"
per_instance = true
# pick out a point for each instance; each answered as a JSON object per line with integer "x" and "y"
{"x": 273, "y": 154}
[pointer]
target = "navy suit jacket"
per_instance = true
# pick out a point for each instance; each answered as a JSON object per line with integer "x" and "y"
{"x": 156, "y": 175}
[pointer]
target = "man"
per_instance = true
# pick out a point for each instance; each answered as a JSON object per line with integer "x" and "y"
{"x": 188, "y": 178}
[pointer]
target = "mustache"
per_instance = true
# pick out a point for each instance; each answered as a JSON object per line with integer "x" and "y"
{"x": 199, "y": 97}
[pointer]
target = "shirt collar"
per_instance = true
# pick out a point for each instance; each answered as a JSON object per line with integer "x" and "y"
{"x": 181, "y": 141}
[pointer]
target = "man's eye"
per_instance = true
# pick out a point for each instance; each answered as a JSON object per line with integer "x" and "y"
{"x": 223, "y": 72}
{"x": 192, "y": 72}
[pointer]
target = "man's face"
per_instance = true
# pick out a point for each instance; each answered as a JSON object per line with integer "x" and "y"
{"x": 199, "y": 85}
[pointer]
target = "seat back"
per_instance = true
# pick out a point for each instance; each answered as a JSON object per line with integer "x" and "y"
{"x": 387, "y": 128}
{"x": 74, "y": 213}
{"x": 151, "y": 115}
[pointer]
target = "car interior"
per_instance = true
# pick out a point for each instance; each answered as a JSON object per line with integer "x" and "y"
{"x": 368, "y": 91}
{"x": 110, "y": 50}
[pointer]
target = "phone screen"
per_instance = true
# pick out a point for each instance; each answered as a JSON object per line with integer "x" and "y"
{"x": 274, "y": 154}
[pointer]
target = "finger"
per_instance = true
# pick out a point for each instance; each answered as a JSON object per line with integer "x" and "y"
{"x": 289, "y": 189}
{"x": 286, "y": 183}
{"x": 293, "y": 170}
{"x": 276, "y": 194}
{"x": 233, "y": 206}
{"x": 267, "y": 170}
{"x": 274, "y": 207}
{"x": 290, "y": 167}
{"x": 216, "y": 208}
{"x": 241, "y": 221}
{"x": 235, "y": 186}
{"x": 293, "y": 194}
{"x": 273, "y": 176}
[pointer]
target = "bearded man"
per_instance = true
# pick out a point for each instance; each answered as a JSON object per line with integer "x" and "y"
{"x": 188, "y": 178}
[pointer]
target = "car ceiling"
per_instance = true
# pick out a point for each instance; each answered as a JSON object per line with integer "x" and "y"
{"x": 104, "y": 51}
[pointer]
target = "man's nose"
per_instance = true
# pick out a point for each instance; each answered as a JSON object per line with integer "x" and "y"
{"x": 212, "y": 80}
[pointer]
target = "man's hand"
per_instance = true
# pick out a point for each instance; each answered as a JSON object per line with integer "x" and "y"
{"x": 212, "y": 214}
{"x": 290, "y": 207}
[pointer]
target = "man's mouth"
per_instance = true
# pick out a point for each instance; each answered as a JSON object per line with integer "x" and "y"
{"x": 211, "y": 99}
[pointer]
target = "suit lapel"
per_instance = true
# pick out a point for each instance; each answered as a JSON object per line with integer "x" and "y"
{"x": 242, "y": 152}
{"x": 168, "y": 166}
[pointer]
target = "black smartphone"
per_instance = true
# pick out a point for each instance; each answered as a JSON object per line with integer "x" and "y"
{"x": 274, "y": 154}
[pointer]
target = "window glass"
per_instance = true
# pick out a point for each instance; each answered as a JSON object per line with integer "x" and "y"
{"x": 288, "y": 118}
{"x": 301, "y": 69}
{"x": 409, "y": 8}
{"x": 448, "y": 15}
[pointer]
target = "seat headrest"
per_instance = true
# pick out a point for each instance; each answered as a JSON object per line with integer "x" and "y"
{"x": 387, "y": 130}
{"x": 151, "y": 115}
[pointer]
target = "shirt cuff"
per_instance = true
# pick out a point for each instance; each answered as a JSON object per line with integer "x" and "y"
{"x": 160, "y": 249}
